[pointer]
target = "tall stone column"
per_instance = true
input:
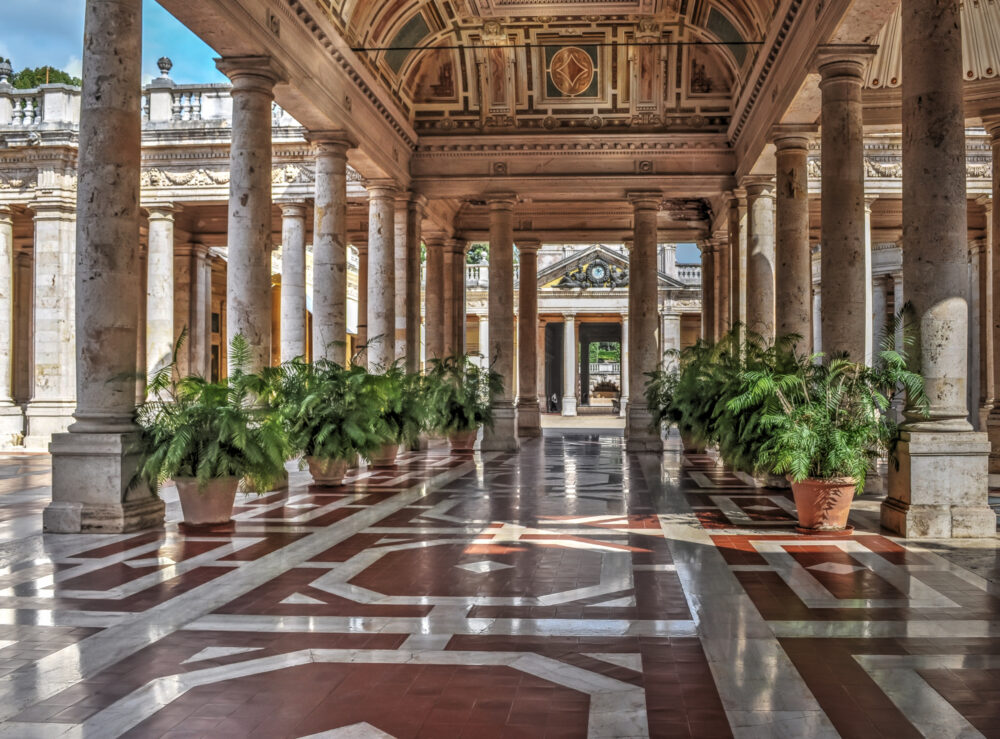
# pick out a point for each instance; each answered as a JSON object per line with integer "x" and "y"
{"x": 456, "y": 320}
{"x": 54, "y": 367}
{"x": 529, "y": 420}
{"x": 571, "y": 362}
{"x": 362, "y": 336}
{"x": 708, "y": 287}
{"x": 880, "y": 308}
{"x": 93, "y": 464}
{"x": 448, "y": 300}
{"x": 434, "y": 297}
{"x": 399, "y": 262}
{"x": 293, "y": 281}
{"x": 623, "y": 368}
{"x": 140, "y": 348}
{"x": 11, "y": 417}
{"x": 760, "y": 256}
{"x": 643, "y": 320}
{"x": 737, "y": 227}
{"x": 940, "y": 486}
{"x": 484, "y": 339}
{"x": 160, "y": 333}
{"x": 723, "y": 287}
{"x": 329, "y": 326}
{"x": 992, "y": 124}
{"x": 248, "y": 269}
{"x": 381, "y": 276}
{"x": 846, "y": 309}
{"x": 976, "y": 249}
{"x": 503, "y": 435}
{"x": 191, "y": 303}
{"x": 793, "y": 261}
{"x": 987, "y": 353}
{"x": 415, "y": 211}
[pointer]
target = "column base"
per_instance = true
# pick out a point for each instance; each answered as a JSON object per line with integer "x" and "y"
{"x": 569, "y": 405}
{"x": 940, "y": 489}
{"x": 11, "y": 427}
{"x": 529, "y": 419}
{"x": 624, "y": 408}
{"x": 639, "y": 437}
{"x": 503, "y": 436}
{"x": 993, "y": 431}
{"x": 45, "y": 418}
{"x": 91, "y": 474}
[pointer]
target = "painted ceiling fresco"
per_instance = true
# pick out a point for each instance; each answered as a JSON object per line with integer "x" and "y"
{"x": 513, "y": 65}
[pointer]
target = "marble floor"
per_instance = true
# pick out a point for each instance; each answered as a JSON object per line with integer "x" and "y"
{"x": 566, "y": 591}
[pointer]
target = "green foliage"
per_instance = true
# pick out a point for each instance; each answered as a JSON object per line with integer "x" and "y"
{"x": 478, "y": 254}
{"x": 207, "y": 430}
{"x": 404, "y": 408}
{"x": 327, "y": 410}
{"x": 605, "y": 351}
{"x": 460, "y": 393}
{"x": 29, "y": 78}
{"x": 832, "y": 419}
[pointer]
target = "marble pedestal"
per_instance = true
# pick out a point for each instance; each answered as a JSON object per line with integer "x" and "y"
{"x": 529, "y": 418}
{"x": 503, "y": 436}
{"x": 639, "y": 437}
{"x": 90, "y": 486}
{"x": 939, "y": 490}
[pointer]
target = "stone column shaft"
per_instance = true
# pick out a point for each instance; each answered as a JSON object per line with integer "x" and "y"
{"x": 11, "y": 416}
{"x": 362, "y": 335}
{"x": 737, "y": 227}
{"x": 448, "y": 299}
{"x": 623, "y": 369}
{"x": 570, "y": 364}
{"x": 93, "y": 465}
{"x": 846, "y": 303}
{"x": 528, "y": 417}
{"x": 722, "y": 282}
{"x": 414, "y": 221}
{"x": 503, "y": 435}
{"x": 708, "y": 287}
{"x": 484, "y": 339}
{"x": 457, "y": 277}
{"x": 381, "y": 277}
{"x": 434, "y": 298}
{"x": 160, "y": 283}
{"x": 248, "y": 275}
{"x": 643, "y": 320}
{"x": 293, "y": 281}
{"x": 992, "y": 124}
{"x": 793, "y": 260}
{"x": 940, "y": 486}
{"x": 760, "y": 258}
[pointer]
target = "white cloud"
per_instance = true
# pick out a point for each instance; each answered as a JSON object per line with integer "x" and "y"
{"x": 74, "y": 67}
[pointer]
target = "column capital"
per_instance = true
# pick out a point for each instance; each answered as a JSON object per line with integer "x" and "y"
{"x": 456, "y": 246}
{"x": 336, "y": 143}
{"x": 792, "y": 137}
{"x": 292, "y": 209}
{"x": 418, "y": 202}
{"x": 870, "y": 199}
{"x": 435, "y": 240}
{"x": 252, "y": 73}
{"x": 161, "y": 211}
{"x": 645, "y": 199}
{"x": 569, "y": 316}
{"x": 758, "y": 185}
{"x": 6, "y": 212}
{"x": 501, "y": 200}
{"x": 382, "y": 189}
{"x": 976, "y": 246}
{"x": 984, "y": 200}
{"x": 991, "y": 122}
{"x": 839, "y": 62}
{"x": 528, "y": 246}
{"x": 707, "y": 246}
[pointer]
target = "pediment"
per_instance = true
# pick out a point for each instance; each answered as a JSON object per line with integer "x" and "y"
{"x": 597, "y": 267}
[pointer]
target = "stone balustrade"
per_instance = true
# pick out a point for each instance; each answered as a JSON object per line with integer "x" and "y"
{"x": 689, "y": 274}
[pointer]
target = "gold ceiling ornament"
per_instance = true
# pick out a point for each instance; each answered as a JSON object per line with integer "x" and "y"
{"x": 572, "y": 70}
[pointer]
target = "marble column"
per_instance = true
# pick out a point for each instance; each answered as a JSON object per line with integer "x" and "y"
{"x": 93, "y": 464}
{"x": 448, "y": 299}
{"x": 399, "y": 265}
{"x": 939, "y": 489}
{"x": 361, "y": 339}
{"x": 201, "y": 311}
{"x": 623, "y": 368}
{"x": 160, "y": 334}
{"x": 792, "y": 258}
{"x": 987, "y": 353}
{"x": 571, "y": 362}
{"x": 484, "y": 340}
{"x": 992, "y": 124}
{"x": 54, "y": 367}
{"x": 503, "y": 435}
{"x": 976, "y": 249}
{"x": 737, "y": 228}
{"x": 456, "y": 275}
{"x": 434, "y": 297}
{"x": 760, "y": 256}
{"x": 880, "y": 309}
{"x": 708, "y": 328}
{"x": 643, "y": 320}
{"x": 329, "y": 303}
{"x": 381, "y": 276}
{"x": 846, "y": 311}
{"x": 293, "y": 281}
{"x": 415, "y": 212}
{"x": 529, "y": 421}
{"x": 248, "y": 268}
{"x": 140, "y": 348}
{"x": 11, "y": 417}
{"x": 722, "y": 284}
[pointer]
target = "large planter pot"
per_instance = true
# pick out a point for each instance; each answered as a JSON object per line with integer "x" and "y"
{"x": 385, "y": 456}
{"x": 463, "y": 441}
{"x": 212, "y": 504}
{"x": 824, "y": 505}
{"x": 327, "y": 471}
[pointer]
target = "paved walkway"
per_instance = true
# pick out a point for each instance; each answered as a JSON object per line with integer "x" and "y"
{"x": 567, "y": 591}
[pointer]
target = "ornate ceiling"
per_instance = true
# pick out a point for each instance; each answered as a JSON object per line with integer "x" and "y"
{"x": 517, "y": 65}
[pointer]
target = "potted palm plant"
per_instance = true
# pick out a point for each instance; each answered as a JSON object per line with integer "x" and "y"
{"x": 825, "y": 425}
{"x": 402, "y": 413}
{"x": 659, "y": 392}
{"x": 327, "y": 411}
{"x": 460, "y": 392}
{"x": 210, "y": 437}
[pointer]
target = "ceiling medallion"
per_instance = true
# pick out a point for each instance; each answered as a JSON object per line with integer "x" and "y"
{"x": 572, "y": 70}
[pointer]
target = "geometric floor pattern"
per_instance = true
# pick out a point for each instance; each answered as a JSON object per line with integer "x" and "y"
{"x": 569, "y": 590}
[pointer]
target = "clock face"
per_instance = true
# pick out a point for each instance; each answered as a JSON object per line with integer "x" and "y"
{"x": 599, "y": 272}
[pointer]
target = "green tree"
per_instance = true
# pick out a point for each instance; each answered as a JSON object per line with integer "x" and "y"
{"x": 29, "y": 78}
{"x": 478, "y": 253}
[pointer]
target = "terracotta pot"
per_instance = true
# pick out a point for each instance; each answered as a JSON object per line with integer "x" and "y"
{"x": 385, "y": 456}
{"x": 463, "y": 441}
{"x": 824, "y": 505}
{"x": 212, "y": 504}
{"x": 327, "y": 471}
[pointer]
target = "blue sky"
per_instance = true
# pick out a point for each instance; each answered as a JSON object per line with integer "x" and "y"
{"x": 34, "y": 33}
